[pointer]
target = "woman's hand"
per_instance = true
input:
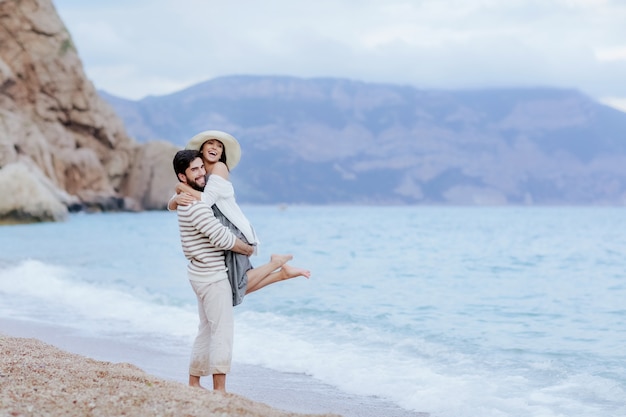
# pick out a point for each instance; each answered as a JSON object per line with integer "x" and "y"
{"x": 183, "y": 188}
{"x": 184, "y": 199}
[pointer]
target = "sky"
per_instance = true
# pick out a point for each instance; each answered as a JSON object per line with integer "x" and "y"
{"x": 136, "y": 48}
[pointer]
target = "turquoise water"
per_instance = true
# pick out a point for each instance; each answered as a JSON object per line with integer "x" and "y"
{"x": 451, "y": 311}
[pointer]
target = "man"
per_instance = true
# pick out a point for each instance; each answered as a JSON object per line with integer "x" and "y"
{"x": 204, "y": 240}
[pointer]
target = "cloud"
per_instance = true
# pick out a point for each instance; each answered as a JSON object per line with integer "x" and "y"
{"x": 618, "y": 103}
{"x": 609, "y": 54}
{"x": 151, "y": 47}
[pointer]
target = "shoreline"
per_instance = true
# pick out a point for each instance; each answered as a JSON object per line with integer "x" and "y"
{"x": 39, "y": 379}
{"x": 286, "y": 393}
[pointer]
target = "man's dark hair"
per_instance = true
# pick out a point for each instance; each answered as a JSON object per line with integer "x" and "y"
{"x": 183, "y": 159}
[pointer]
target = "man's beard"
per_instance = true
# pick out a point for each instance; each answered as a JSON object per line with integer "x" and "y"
{"x": 195, "y": 185}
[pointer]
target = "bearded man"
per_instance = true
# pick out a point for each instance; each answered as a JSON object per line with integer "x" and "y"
{"x": 204, "y": 240}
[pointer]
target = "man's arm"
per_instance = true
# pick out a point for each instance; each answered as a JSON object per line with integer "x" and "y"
{"x": 204, "y": 220}
{"x": 242, "y": 247}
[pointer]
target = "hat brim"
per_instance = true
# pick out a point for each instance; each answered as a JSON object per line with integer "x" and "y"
{"x": 231, "y": 146}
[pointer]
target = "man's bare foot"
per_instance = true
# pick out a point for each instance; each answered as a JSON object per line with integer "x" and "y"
{"x": 279, "y": 260}
{"x": 195, "y": 384}
{"x": 194, "y": 381}
{"x": 289, "y": 271}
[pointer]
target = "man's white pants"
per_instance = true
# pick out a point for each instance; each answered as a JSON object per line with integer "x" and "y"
{"x": 213, "y": 348}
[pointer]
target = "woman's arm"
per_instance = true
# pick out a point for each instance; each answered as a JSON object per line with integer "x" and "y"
{"x": 182, "y": 188}
{"x": 185, "y": 195}
{"x": 212, "y": 191}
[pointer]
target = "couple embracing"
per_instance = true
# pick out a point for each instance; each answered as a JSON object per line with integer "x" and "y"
{"x": 217, "y": 239}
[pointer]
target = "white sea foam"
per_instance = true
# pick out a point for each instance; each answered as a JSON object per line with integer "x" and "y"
{"x": 40, "y": 291}
{"x": 436, "y": 378}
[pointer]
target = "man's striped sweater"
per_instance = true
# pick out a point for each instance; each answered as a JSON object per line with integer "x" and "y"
{"x": 204, "y": 239}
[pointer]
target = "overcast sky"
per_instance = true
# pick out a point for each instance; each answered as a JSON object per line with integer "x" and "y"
{"x": 134, "y": 48}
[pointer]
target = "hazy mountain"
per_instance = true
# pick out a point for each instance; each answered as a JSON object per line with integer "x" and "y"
{"x": 339, "y": 141}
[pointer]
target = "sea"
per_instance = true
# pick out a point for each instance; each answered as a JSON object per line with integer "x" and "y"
{"x": 445, "y": 311}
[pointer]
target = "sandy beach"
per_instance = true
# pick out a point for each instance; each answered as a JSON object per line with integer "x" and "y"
{"x": 38, "y": 379}
{"x": 52, "y": 371}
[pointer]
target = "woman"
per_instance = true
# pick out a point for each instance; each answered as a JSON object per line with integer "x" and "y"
{"x": 221, "y": 153}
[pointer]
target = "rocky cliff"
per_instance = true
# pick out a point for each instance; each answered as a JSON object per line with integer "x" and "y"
{"x": 62, "y": 147}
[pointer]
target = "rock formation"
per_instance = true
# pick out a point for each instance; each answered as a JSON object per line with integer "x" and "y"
{"x": 62, "y": 147}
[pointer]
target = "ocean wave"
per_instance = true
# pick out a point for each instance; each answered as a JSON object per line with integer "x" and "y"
{"x": 415, "y": 373}
{"x": 36, "y": 290}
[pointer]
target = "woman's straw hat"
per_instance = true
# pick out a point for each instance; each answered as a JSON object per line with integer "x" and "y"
{"x": 232, "y": 150}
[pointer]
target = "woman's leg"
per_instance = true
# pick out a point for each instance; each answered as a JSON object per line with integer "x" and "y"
{"x": 258, "y": 277}
{"x": 270, "y": 273}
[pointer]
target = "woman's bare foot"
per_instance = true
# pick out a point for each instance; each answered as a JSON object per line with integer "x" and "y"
{"x": 279, "y": 260}
{"x": 288, "y": 271}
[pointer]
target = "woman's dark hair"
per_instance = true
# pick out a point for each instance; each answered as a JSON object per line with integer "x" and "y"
{"x": 183, "y": 159}
{"x": 223, "y": 157}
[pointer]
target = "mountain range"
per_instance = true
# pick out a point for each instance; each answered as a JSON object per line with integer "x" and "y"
{"x": 339, "y": 141}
